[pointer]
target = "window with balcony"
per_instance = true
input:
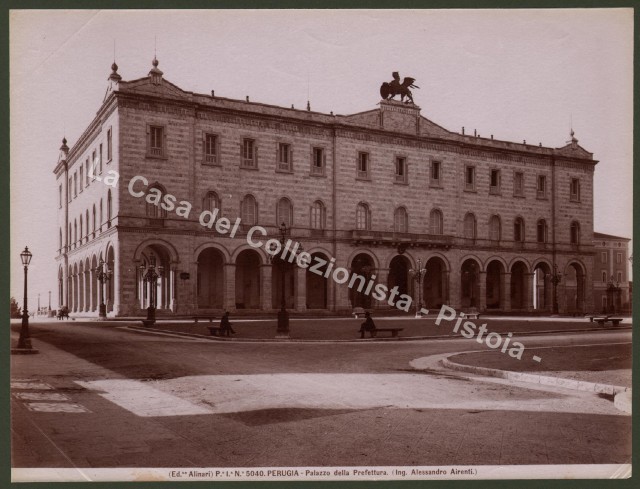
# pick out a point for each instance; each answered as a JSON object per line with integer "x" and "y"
{"x": 249, "y": 211}
{"x": 318, "y": 217}
{"x": 495, "y": 180}
{"x": 211, "y": 149}
{"x": 470, "y": 178}
{"x": 363, "y": 217}
{"x": 284, "y": 212}
{"x": 156, "y": 141}
{"x": 318, "y": 161}
{"x": 435, "y": 174}
{"x": 249, "y": 154}
{"x": 541, "y": 187}
{"x": 436, "y": 222}
{"x": 518, "y": 184}
{"x": 285, "y": 157}
{"x": 401, "y": 220}
{"x": 363, "y": 166}
{"x": 401, "y": 170}
{"x": 470, "y": 226}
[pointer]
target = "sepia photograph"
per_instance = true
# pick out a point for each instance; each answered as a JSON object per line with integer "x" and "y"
{"x": 320, "y": 245}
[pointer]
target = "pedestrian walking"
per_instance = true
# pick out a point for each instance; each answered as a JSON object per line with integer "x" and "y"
{"x": 225, "y": 325}
{"x": 367, "y": 325}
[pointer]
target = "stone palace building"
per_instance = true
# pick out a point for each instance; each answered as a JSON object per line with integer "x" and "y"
{"x": 491, "y": 221}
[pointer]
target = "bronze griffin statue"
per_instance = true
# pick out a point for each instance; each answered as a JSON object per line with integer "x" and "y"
{"x": 394, "y": 87}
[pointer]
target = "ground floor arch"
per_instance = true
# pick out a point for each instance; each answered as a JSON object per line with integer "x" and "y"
{"x": 317, "y": 293}
{"x": 210, "y": 279}
{"x": 435, "y": 285}
{"x": 519, "y": 286}
{"x": 470, "y": 283}
{"x": 399, "y": 274}
{"x": 362, "y": 264}
{"x": 495, "y": 285}
{"x": 574, "y": 288}
{"x": 248, "y": 289}
{"x": 542, "y": 288}
{"x": 160, "y": 293}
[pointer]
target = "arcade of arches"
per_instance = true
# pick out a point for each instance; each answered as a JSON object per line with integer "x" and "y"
{"x": 248, "y": 280}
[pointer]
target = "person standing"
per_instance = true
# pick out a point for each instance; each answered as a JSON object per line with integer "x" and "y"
{"x": 225, "y": 325}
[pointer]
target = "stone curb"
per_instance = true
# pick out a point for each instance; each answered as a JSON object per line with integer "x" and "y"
{"x": 538, "y": 379}
{"x": 622, "y": 401}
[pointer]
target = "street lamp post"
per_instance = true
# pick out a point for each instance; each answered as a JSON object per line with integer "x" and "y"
{"x": 49, "y": 301}
{"x": 150, "y": 276}
{"x": 24, "y": 341}
{"x": 418, "y": 275}
{"x": 471, "y": 274}
{"x": 555, "y": 278}
{"x": 103, "y": 276}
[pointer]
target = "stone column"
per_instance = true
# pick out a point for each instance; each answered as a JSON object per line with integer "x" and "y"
{"x": 382, "y": 277}
{"x": 229, "y": 293}
{"x": 528, "y": 291}
{"x": 482, "y": 288}
{"x": 455, "y": 294}
{"x": 301, "y": 288}
{"x": 265, "y": 287}
{"x": 173, "y": 296}
{"x": 506, "y": 291}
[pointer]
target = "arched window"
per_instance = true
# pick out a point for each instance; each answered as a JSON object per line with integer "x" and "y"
{"x": 109, "y": 209}
{"x": 363, "y": 217}
{"x": 249, "y": 210}
{"x": 210, "y": 202}
{"x": 284, "y": 212}
{"x": 156, "y": 193}
{"x": 317, "y": 215}
{"x": 80, "y": 236}
{"x": 518, "y": 229}
{"x": 542, "y": 231}
{"x": 495, "y": 230}
{"x": 575, "y": 232}
{"x": 400, "y": 220}
{"x": 470, "y": 226}
{"x": 70, "y": 236}
{"x": 75, "y": 231}
{"x": 436, "y": 221}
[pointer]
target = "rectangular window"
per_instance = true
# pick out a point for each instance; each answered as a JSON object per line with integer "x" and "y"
{"x": 603, "y": 257}
{"x": 75, "y": 184}
{"x": 401, "y": 170}
{"x": 575, "y": 189}
{"x": 542, "y": 187}
{"x": 210, "y": 149}
{"x": 100, "y": 156}
{"x": 88, "y": 172}
{"x": 618, "y": 258}
{"x": 81, "y": 177}
{"x": 317, "y": 161}
{"x": 249, "y": 154}
{"x": 109, "y": 144}
{"x": 494, "y": 187}
{"x": 69, "y": 192}
{"x": 156, "y": 141}
{"x": 470, "y": 178}
{"x": 435, "y": 173}
{"x": 518, "y": 184}
{"x": 604, "y": 276}
{"x": 619, "y": 277}
{"x": 285, "y": 157}
{"x": 60, "y": 196}
{"x": 363, "y": 166}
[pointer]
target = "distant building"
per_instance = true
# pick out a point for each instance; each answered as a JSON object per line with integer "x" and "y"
{"x": 611, "y": 287}
{"x": 376, "y": 191}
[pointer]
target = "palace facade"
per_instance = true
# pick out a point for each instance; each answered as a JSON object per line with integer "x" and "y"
{"x": 382, "y": 192}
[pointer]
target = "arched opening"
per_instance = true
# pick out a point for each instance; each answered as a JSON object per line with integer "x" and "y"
{"x": 518, "y": 285}
{"x": 210, "y": 280}
{"x": 248, "y": 288}
{"x": 399, "y": 274}
{"x": 81, "y": 287}
{"x": 110, "y": 285}
{"x": 470, "y": 283}
{"x": 574, "y": 283}
{"x": 362, "y": 264}
{"x": 495, "y": 276}
{"x": 94, "y": 284}
{"x": 87, "y": 286}
{"x": 542, "y": 288}
{"x": 317, "y": 285}
{"x": 60, "y": 287}
{"x": 75, "y": 296}
{"x": 435, "y": 284}
{"x": 162, "y": 291}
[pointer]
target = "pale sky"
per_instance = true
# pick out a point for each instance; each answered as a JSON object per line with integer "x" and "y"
{"x": 517, "y": 74}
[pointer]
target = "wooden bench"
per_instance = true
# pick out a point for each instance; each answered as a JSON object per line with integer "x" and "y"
{"x": 590, "y": 317}
{"x": 394, "y": 331}
{"x": 358, "y": 311}
{"x": 210, "y": 318}
{"x": 214, "y": 330}
{"x": 602, "y": 320}
{"x": 470, "y": 315}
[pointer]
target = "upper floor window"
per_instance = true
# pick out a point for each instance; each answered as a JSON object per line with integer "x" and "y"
{"x": 154, "y": 210}
{"x": 109, "y": 144}
{"x": 318, "y": 162}
{"x": 401, "y": 170}
{"x": 60, "y": 196}
{"x": 69, "y": 191}
{"x": 575, "y": 233}
{"x": 495, "y": 180}
{"x": 618, "y": 258}
{"x": 285, "y": 157}
{"x": 75, "y": 184}
{"x": 542, "y": 231}
{"x": 97, "y": 163}
{"x": 249, "y": 154}
{"x": 518, "y": 184}
{"x": 110, "y": 209}
{"x": 284, "y": 212}
{"x": 401, "y": 220}
{"x": 541, "y": 187}
{"x": 436, "y": 222}
{"x": 575, "y": 189}
{"x": 518, "y": 230}
{"x": 93, "y": 227}
{"x": 210, "y": 202}
{"x": 619, "y": 277}
{"x": 156, "y": 141}
{"x": 604, "y": 276}
{"x": 363, "y": 166}
{"x": 435, "y": 174}
{"x": 249, "y": 210}
{"x": 470, "y": 226}
{"x": 317, "y": 215}
{"x": 210, "y": 149}
{"x": 495, "y": 228}
{"x": 470, "y": 177}
{"x": 100, "y": 155}
{"x": 81, "y": 177}
{"x": 363, "y": 217}
{"x": 87, "y": 173}
{"x": 603, "y": 256}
